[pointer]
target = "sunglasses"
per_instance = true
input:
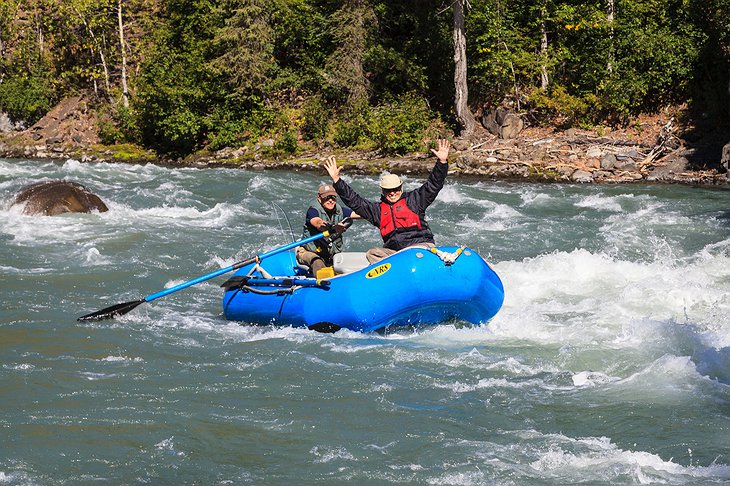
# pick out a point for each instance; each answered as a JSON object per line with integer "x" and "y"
{"x": 390, "y": 191}
{"x": 330, "y": 198}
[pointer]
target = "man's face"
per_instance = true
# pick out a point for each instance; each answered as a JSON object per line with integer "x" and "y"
{"x": 328, "y": 202}
{"x": 392, "y": 195}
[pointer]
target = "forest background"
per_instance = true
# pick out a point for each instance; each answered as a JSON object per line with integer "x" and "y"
{"x": 188, "y": 76}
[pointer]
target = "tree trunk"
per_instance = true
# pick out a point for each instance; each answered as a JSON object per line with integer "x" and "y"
{"x": 544, "y": 80}
{"x": 125, "y": 92}
{"x": 464, "y": 116}
{"x": 41, "y": 42}
{"x": 609, "y": 20}
{"x": 100, "y": 50}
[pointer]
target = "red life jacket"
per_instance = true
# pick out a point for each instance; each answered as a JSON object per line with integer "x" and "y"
{"x": 397, "y": 217}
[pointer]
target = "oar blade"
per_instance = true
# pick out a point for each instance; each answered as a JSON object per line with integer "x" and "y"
{"x": 112, "y": 311}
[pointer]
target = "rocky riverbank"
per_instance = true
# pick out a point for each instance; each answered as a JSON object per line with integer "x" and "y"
{"x": 654, "y": 150}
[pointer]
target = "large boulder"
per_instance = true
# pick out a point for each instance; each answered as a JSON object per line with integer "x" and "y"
{"x": 503, "y": 123}
{"x": 57, "y": 197}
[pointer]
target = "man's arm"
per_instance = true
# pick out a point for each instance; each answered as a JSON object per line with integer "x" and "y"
{"x": 365, "y": 209}
{"x": 422, "y": 197}
{"x": 362, "y": 207}
{"x": 314, "y": 220}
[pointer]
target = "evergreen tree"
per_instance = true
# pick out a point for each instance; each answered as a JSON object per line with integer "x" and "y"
{"x": 244, "y": 46}
{"x": 350, "y": 27}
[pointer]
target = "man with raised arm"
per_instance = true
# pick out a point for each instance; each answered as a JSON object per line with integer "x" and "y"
{"x": 400, "y": 216}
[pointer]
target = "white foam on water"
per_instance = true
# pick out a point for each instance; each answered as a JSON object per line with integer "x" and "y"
{"x": 129, "y": 173}
{"x": 94, "y": 257}
{"x": 219, "y": 215}
{"x": 667, "y": 380}
{"x": 458, "y": 478}
{"x": 592, "y": 378}
{"x": 13, "y": 169}
{"x": 92, "y": 376}
{"x": 73, "y": 165}
{"x": 19, "y": 477}
{"x": 600, "y": 202}
{"x": 631, "y": 230}
{"x": 355, "y": 348}
{"x": 581, "y": 296}
{"x": 517, "y": 368}
{"x": 168, "y": 446}
{"x": 325, "y": 454}
{"x": 492, "y": 384}
{"x": 27, "y": 271}
{"x": 493, "y": 187}
{"x": 598, "y": 459}
{"x": 449, "y": 336}
{"x": 42, "y": 230}
{"x": 532, "y": 198}
{"x": 166, "y": 195}
{"x": 19, "y": 367}
{"x": 207, "y": 326}
{"x": 452, "y": 194}
{"x": 122, "y": 359}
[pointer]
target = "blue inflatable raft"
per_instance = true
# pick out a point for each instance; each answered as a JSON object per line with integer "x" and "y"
{"x": 412, "y": 287}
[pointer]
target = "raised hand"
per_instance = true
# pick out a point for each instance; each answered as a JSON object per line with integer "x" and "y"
{"x": 443, "y": 151}
{"x": 331, "y": 166}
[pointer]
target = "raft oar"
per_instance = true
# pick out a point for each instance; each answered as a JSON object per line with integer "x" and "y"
{"x": 123, "y": 308}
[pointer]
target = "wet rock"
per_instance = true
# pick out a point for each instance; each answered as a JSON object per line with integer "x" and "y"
{"x": 565, "y": 171}
{"x": 581, "y": 176}
{"x": 669, "y": 170}
{"x": 594, "y": 152}
{"x": 608, "y": 161}
{"x": 629, "y": 154}
{"x": 503, "y": 123}
{"x": 602, "y": 175}
{"x": 625, "y": 164}
{"x": 51, "y": 198}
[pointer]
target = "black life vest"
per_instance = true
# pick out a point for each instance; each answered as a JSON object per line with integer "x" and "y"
{"x": 397, "y": 217}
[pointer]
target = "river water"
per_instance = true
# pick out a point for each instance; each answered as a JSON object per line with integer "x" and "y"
{"x": 608, "y": 364}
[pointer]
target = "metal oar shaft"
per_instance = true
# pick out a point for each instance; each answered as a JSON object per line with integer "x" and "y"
{"x": 121, "y": 309}
{"x": 235, "y": 266}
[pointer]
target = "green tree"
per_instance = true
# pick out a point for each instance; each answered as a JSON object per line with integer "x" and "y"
{"x": 244, "y": 46}
{"x": 27, "y": 88}
{"x": 301, "y": 46}
{"x": 176, "y": 89}
{"x": 656, "y": 50}
{"x": 350, "y": 27}
{"x": 711, "y": 84}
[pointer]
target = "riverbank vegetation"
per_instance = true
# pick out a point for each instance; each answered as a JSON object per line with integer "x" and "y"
{"x": 181, "y": 76}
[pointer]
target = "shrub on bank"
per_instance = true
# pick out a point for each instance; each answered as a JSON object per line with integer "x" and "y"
{"x": 26, "y": 99}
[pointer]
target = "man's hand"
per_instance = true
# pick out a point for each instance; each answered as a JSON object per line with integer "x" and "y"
{"x": 331, "y": 166}
{"x": 443, "y": 151}
{"x": 342, "y": 226}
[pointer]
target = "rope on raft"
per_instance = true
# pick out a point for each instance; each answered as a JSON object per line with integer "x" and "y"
{"x": 446, "y": 257}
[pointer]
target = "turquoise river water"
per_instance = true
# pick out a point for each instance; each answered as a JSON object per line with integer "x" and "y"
{"x": 608, "y": 364}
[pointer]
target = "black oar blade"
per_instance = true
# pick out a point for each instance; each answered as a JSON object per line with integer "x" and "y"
{"x": 325, "y": 327}
{"x": 112, "y": 311}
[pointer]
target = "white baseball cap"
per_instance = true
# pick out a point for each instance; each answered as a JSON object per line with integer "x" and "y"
{"x": 390, "y": 181}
